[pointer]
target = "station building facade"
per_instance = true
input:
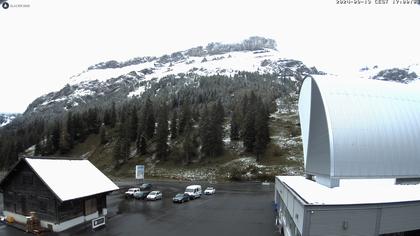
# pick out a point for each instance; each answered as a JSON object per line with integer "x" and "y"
{"x": 362, "y": 161}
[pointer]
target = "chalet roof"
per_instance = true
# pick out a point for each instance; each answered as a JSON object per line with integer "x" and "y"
{"x": 71, "y": 179}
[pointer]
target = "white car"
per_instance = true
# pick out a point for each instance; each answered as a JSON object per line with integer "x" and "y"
{"x": 210, "y": 190}
{"x": 154, "y": 195}
{"x": 130, "y": 192}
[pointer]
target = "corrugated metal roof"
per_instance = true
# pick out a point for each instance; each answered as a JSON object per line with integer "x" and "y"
{"x": 360, "y": 128}
{"x": 71, "y": 179}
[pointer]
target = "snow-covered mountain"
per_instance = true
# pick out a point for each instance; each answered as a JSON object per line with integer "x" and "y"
{"x": 402, "y": 74}
{"x": 6, "y": 118}
{"x": 117, "y": 81}
{"x": 112, "y": 80}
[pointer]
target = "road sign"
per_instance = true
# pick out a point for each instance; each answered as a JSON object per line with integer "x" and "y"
{"x": 139, "y": 171}
{"x": 98, "y": 222}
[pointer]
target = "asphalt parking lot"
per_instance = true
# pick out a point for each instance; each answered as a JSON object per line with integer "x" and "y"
{"x": 235, "y": 209}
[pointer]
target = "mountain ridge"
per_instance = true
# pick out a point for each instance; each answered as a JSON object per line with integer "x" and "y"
{"x": 120, "y": 80}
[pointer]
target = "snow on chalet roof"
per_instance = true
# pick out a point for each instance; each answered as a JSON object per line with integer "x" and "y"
{"x": 352, "y": 191}
{"x": 71, "y": 179}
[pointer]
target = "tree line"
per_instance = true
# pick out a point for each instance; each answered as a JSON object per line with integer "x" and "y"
{"x": 173, "y": 120}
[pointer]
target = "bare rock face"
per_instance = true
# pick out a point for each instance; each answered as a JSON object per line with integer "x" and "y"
{"x": 397, "y": 75}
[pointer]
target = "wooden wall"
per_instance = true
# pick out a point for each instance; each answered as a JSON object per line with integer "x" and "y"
{"x": 24, "y": 192}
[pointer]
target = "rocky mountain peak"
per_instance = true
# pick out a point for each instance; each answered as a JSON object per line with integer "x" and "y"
{"x": 215, "y": 48}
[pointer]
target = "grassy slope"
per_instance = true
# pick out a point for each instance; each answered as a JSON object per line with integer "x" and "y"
{"x": 283, "y": 156}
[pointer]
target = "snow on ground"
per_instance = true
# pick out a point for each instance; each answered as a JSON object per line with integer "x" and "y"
{"x": 30, "y": 151}
{"x": 8, "y": 120}
{"x": 52, "y": 101}
{"x": 138, "y": 92}
{"x": 103, "y": 75}
{"x": 223, "y": 64}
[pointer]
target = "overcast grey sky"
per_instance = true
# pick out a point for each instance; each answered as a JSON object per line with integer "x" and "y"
{"x": 44, "y": 44}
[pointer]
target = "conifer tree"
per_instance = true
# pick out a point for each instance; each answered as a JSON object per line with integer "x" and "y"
{"x": 64, "y": 140}
{"x": 205, "y": 133}
{"x": 141, "y": 144}
{"x": 107, "y": 117}
{"x": 248, "y": 126}
{"x": 134, "y": 122}
{"x": 188, "y": 150}
{"x": 124, "y": 136}
{"x": 116, "y": 152}
{"x": 121, "y": 149}
{"x": 148, "y": 119}
{"x": 92, "y": 121}
{"x": 102, "y": 134}
{"x": 162, "y": 148}
{"x": 185, "y": 118}
{"x": 216, "y": 126}
{"x": 174, "y": 125}
{"x": 70, "y": 129}
{"x": 234, "y": 126}
{"x": 55, "y": 137}
{"x": 113, "y": 115}
{"x": 38, "y": 150}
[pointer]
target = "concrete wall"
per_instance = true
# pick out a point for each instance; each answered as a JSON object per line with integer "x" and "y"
{"x": 57, "y": 227}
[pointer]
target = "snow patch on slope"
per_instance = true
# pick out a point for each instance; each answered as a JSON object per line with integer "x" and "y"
{"x": 6, "y": 119}
{"x": 223, "y": 64}
{"x": 226, "y": 64}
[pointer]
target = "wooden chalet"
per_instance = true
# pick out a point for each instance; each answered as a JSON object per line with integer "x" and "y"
{"x": 63, "y": 193}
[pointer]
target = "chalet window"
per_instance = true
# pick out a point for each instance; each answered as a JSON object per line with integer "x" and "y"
{"x": 43, "y": 204}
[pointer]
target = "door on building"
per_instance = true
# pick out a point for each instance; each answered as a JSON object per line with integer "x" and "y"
{"x": 90, "y": 206}
{"x": 22, "y": 200}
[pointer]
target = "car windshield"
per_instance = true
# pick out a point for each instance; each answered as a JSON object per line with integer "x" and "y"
{"x": 210, "y": 188}
{"x": 189, "y": 190}
{"x": 179, "y": 195}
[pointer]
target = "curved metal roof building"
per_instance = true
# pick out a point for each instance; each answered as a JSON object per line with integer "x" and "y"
{"x": 359, "y": 129}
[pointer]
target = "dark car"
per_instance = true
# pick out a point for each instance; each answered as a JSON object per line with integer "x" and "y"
{"x": 180, "y": 198}
{"x": 146, "y": 186}
{"x": 141, "y": 194}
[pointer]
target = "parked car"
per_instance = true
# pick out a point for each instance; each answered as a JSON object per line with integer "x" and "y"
{"x": 130, "y": 192}
{"x": 146, "y": 186}
{"x": 181, "y": 197}
{"x": 194, "y": 191}
{"x": 210, "y": 190}
{"x": 141, "y": 195}
{"x": 154, "y": 195}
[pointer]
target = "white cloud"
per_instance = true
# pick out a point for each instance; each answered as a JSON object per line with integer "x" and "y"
{"x": 43, "y": 45}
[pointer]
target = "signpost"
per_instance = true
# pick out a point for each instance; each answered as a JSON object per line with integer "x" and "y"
{"x": 140, "y": 172}
{"x": 98, "y": 222}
